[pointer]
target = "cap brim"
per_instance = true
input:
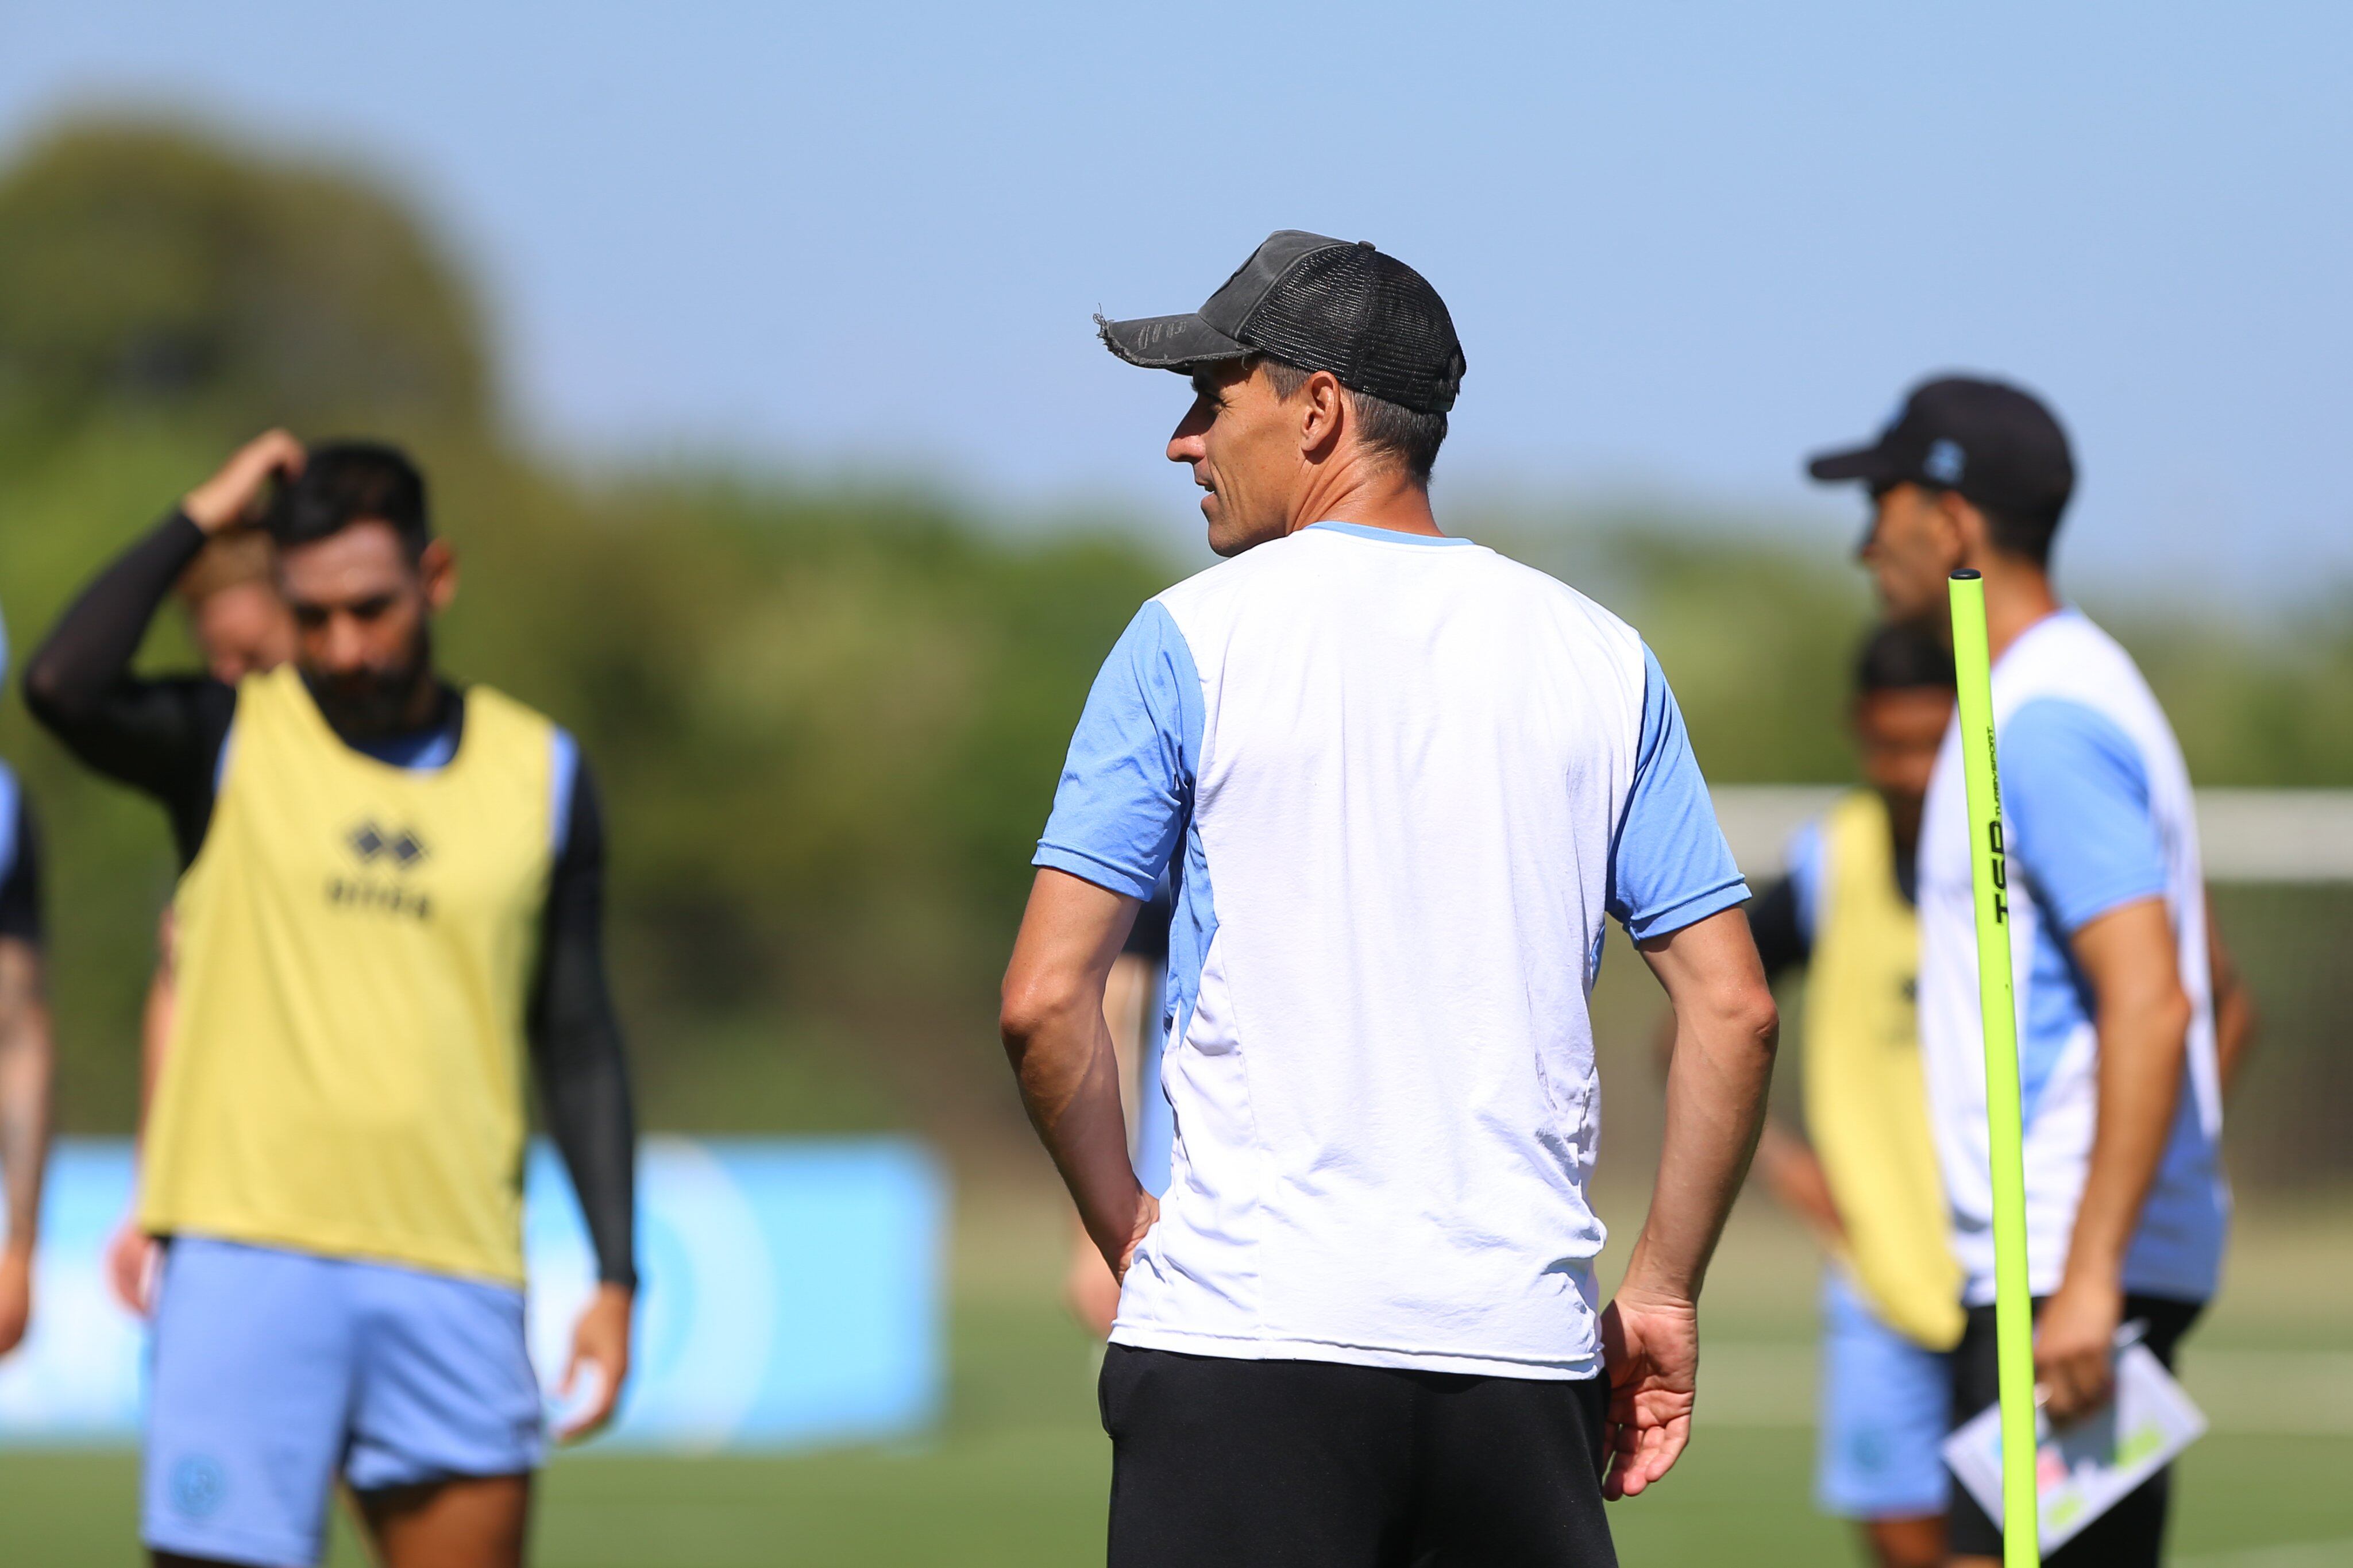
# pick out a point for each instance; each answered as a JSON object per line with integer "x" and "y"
{"x": 1168, "y": 342}
{"x": 1870, "y": 464}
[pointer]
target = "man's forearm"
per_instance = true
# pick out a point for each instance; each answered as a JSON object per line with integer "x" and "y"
{"x": 1051, "y": 1020}
{"x": 583, "y": 1078}
{"x": 1067, "y": 1073}
{"x": 589, "y": 1114}
{"x": 1716, "y": 1109}
{"x": 26, "y": 1066}
{"x": 577, "y": 1042}
{"x": 2142, "y": 1047}
{"x": 2142, "y": 1015}
{"x": 2234, "y": 1009}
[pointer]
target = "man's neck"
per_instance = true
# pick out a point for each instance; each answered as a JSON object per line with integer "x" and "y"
{"x": 1372, "y": 495}
{"x": 431, "y": 706}
{"x": 2018, "y": 594}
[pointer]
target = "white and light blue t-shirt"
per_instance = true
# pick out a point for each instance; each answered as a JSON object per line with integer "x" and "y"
{"x": 2096, "y": 813}
{"x": 1401, "y": 780}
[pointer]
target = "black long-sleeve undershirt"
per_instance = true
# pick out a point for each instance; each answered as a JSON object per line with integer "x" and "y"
{"x": 20, "y": 884}
{"x": 1782, "y": 942}
{"x": 164, "y": 737}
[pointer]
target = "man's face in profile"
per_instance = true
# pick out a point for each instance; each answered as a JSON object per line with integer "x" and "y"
{"x": 1911, "y": 552}
{"x": 1242, "y": 448}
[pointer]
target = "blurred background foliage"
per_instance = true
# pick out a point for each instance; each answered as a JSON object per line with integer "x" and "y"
{"x": 827, "y": 719}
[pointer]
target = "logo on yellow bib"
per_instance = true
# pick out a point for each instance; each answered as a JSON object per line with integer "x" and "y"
{"x": 401, "y": 845}
{"x": 398, "y": 848}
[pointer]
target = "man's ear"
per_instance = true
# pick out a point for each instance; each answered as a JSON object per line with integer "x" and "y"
{"x": 437, "y": 567}
{"x": 1963, "y": 530}
{"x": 1324, "y": 413}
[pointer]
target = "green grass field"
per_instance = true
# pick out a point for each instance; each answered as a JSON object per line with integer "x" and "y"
{"x": 1017, "y": 1475}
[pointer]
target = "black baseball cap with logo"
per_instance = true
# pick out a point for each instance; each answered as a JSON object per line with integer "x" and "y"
{"x": 1994, "y": 443}
{"x": 1315, "y": 303}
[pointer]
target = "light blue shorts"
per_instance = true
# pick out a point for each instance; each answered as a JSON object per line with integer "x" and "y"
{"x": 1885, "y": 1409}
{"x": 273, "y": 1371}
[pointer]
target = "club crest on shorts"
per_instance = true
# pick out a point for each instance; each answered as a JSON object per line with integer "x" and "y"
{"x": 198, "y": 1486}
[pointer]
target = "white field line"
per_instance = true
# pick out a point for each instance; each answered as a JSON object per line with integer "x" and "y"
{"x": 2298, "y": 1554}
{"x": 2304, "y": 1394}
{"x": 2245, "y": 834}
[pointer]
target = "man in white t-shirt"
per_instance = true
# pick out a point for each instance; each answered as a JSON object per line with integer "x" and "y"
{"x": 2126, "y": 1206}
{"x": 1400, "y": 781}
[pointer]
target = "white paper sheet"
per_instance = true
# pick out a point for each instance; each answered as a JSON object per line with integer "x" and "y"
{"x": 2085, "y": 1468}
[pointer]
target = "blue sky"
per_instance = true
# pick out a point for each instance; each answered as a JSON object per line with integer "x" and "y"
{"x": 1684, "y": 244}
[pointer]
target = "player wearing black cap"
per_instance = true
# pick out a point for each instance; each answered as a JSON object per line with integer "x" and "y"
{"x": 1398, "y": 782}
{"x": 2119, "y": 974}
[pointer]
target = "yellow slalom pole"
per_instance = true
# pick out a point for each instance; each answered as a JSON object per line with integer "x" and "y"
{"x": 2013, "y": 1303}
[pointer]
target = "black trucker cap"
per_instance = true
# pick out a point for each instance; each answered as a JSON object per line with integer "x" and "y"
{"x": 1994, "y": 443}
{"x": 1319, "y": 304}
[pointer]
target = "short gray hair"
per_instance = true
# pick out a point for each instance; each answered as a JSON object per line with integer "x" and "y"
{"x": 1406, "y": 435}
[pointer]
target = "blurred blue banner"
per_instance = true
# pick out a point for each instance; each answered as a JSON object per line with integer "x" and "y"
{"x": 792, "y": 1297}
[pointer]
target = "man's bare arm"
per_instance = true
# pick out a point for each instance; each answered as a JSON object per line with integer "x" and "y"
{"x": 1128, "y": 996}
{"x": 1784, "y": 1162}
{"x": 2234, "y": 1009}
{"x": 1052, "y": 1019}
{"x": 1725, "y": 1032}
{"x": 2143, "y": 1016}
{"x": 28, "y": 1064}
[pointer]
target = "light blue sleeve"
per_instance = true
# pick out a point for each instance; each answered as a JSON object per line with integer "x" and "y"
{"x": 1669, "y": 865}
{"x": 11, "y": 814}
{"x": 1127, "y": 782}
{"x": 2075, "y": 812}
{"x": 564, "y": 780}
{"x": 1805, "y": 862}
{"x": 1155, "y": 1118}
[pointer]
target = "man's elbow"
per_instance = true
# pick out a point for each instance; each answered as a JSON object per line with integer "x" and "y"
{"x": 1739, "y": 1027}
{"x": 1031, "y": 1003}
{"x": 44, "y": 694}
{"x": 2173, "y": 1016}
{"x": 1756, "y": 1019}
{"x": 53, "y": 693}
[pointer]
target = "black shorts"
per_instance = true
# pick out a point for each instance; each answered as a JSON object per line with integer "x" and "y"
{"x": 2128, "y": 1535}
{"x": 1320, "y": 1465}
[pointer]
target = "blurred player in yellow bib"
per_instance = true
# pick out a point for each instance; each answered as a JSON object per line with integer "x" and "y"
{"x": 390, "y": 903}
{"x": 1867, "y": 1182}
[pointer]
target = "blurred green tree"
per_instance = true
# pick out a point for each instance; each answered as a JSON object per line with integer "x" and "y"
{"x": 152, "y": 271}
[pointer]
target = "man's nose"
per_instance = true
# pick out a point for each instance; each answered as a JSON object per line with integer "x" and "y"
{"x": 345, "y": 647}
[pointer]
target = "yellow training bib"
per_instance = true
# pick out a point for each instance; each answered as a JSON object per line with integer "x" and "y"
{"x": 354, "y": 951}
{"x": 1866, "y": 1101}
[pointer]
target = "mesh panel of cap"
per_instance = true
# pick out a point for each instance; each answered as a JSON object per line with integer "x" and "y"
{"x": 1369, "y": 318}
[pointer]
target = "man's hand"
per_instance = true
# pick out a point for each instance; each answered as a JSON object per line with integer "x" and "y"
{"x": 599, "y": 1340}
{"x": 1650, "y": 1353}
{"x": 228, "y": 498}
{"x": 1091, "y": 1285}
{"x": 1091, "y": 1289}
{"x": 1147, "y": 1214}
{"x": 15, "y": 1293}
{"x": 2074, "y": 1345}
{"x": 131, "y": 1257}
